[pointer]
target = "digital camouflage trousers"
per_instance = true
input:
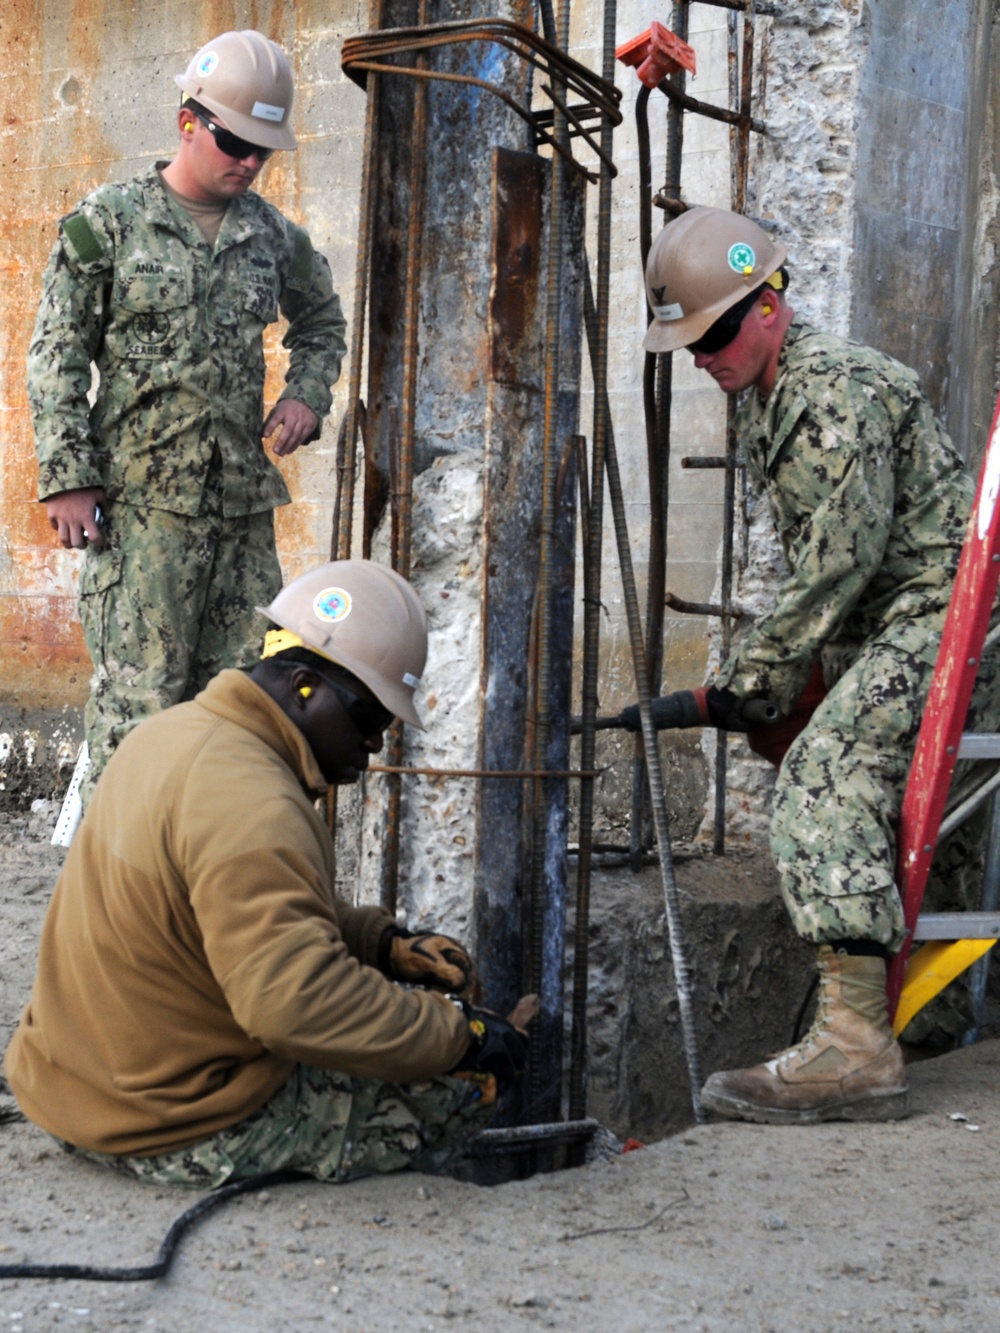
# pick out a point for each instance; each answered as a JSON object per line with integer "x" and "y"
{"x": 166, "y": 604}
{"x": 839, "y": 794}
{"x": 330, "y": 1126}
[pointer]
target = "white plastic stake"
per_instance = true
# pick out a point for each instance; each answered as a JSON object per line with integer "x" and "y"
{"x": 72, "y": 807}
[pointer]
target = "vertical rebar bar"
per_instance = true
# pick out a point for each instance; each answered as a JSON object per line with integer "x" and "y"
{"x": 637, "y": 831}
{"x": 341, "y": 535}
{"x": 746, "y": 90}
{"x": 656, "y": 789}
{"x": 739, "y": 144}
{"x": 402, "y": 482}
{"x": 725, "y": 624}
{"x": 658, "y": 398}
{"x": 733, "y": 84}
{"x": 341, "y": 539}
{"x": 538, "y": 1077}
{"x": 594, "y": 519}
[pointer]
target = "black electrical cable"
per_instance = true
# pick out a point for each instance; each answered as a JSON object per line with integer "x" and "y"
{"x": 165, "y": 1253}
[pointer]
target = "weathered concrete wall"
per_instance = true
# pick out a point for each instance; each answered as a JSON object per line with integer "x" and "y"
{"x": 915, "y": 101}
{"x": 977, "y": 350}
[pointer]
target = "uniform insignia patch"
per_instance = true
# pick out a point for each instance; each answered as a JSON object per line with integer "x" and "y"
{"x": 742, "y": 258}
{"x": 332, "y": 605}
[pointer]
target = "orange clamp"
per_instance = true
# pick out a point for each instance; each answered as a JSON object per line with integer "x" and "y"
{"x": 656, "y": 53}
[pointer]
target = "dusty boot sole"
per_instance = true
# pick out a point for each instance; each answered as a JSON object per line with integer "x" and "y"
{"x": 872, "y": 1106}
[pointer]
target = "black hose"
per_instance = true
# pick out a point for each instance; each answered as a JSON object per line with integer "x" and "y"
{"x": 165, "y": 1254}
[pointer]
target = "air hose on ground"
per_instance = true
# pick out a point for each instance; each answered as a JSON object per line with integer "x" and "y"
{"x": 165, "y": 1254}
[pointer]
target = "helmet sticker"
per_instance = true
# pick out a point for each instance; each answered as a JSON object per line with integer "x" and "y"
{"x": 411, "y": 680}
{"x": 265, "y": 111}
{"x": 742, "y": 259}
{"x": 667, "y": 313}
{"x": 332, "y": 605}
{"x": 208, "y": 64}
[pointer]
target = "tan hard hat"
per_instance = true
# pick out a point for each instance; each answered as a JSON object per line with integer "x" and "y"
{"x": 367, "y": 619}
{"x": 702, "y": 263}
{"x": 246, "y": 79}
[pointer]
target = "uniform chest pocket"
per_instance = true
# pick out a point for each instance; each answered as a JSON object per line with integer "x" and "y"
{"x": 247, "y": 305}
{"x": 261, "y": 299}
{"x": 152, "y": 312}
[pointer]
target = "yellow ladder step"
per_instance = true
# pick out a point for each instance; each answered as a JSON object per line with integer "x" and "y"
{"x": 930, "y": 969}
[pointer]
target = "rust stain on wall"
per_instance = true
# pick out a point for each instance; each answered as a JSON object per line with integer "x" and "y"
{"x": 48, "y": 145}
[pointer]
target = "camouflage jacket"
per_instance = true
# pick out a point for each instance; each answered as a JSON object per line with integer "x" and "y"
{"x": 870, "y": 502}
{"x": 175, "y": 330}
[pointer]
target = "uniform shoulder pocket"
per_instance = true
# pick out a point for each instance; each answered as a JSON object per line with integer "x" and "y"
{"x": 82, "y": 245}
{"x": 260, "y": 297}
{"x": 300, "y": 270}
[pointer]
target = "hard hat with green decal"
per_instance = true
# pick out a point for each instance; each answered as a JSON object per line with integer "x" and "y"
{"x": 367, "y": 619}
{"x": 701, "y": 264}
{"x": 246, "y": 80}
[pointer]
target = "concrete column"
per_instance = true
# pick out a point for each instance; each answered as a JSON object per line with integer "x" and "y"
{"x": 465, "y": 860}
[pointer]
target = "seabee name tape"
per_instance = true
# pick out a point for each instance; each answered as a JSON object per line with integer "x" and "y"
{"x": 332, "y": 605}
{"x": 265, "y": 111}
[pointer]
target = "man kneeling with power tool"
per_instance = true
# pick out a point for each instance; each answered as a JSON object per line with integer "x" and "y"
{"x": 870, "y": 502}
{"x": 206, "y": 1009}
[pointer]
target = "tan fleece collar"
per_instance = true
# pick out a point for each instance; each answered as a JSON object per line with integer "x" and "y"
{"x": 234, "y": 696}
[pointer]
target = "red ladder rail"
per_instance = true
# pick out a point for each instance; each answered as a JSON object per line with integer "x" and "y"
{"x": 947, "y": 704}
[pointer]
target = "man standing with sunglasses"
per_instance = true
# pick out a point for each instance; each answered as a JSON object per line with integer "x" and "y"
{"x": 870, "y": 502}
{"x": 206, "y": 1008}
{"x": 165, "y": 285}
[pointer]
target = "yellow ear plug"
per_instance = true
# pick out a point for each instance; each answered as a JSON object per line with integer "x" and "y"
{"x": 306, "y": 691}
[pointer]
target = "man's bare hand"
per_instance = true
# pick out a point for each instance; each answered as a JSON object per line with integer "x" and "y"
{"x": 289, "y": 424}
{"x": 73, "y": 514}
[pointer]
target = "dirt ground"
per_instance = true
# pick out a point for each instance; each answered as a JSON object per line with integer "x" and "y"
{"x": 720, "y": 1227}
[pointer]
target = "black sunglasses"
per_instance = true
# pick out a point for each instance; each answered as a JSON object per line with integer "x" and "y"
{"x": 726, "y": 327}
{"x": 231, "y": 144}
{"x": 368, "y": 715}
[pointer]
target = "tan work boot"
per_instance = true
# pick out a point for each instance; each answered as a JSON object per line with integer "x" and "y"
{"x": 848, "y": 1066}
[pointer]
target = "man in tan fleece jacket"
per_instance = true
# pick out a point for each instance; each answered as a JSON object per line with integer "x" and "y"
{"x": 205, "y": 1007}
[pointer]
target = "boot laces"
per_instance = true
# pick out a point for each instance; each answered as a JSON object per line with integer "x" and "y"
{"x": 819, "y": 1025}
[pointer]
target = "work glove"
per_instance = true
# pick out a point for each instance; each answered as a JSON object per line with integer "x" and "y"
{"x": 725, "y": 709}
{"x": 700, "y": 708}
{"x": 428, "y": 959}
{"x": 683, "y": 708}
{"x": 496, "y": 1047}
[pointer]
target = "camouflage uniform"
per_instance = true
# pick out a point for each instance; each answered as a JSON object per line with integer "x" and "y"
{"x": 174, "y": 434}
{"x": 870, "y": 502}
{"x": 331, "y": 1126}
